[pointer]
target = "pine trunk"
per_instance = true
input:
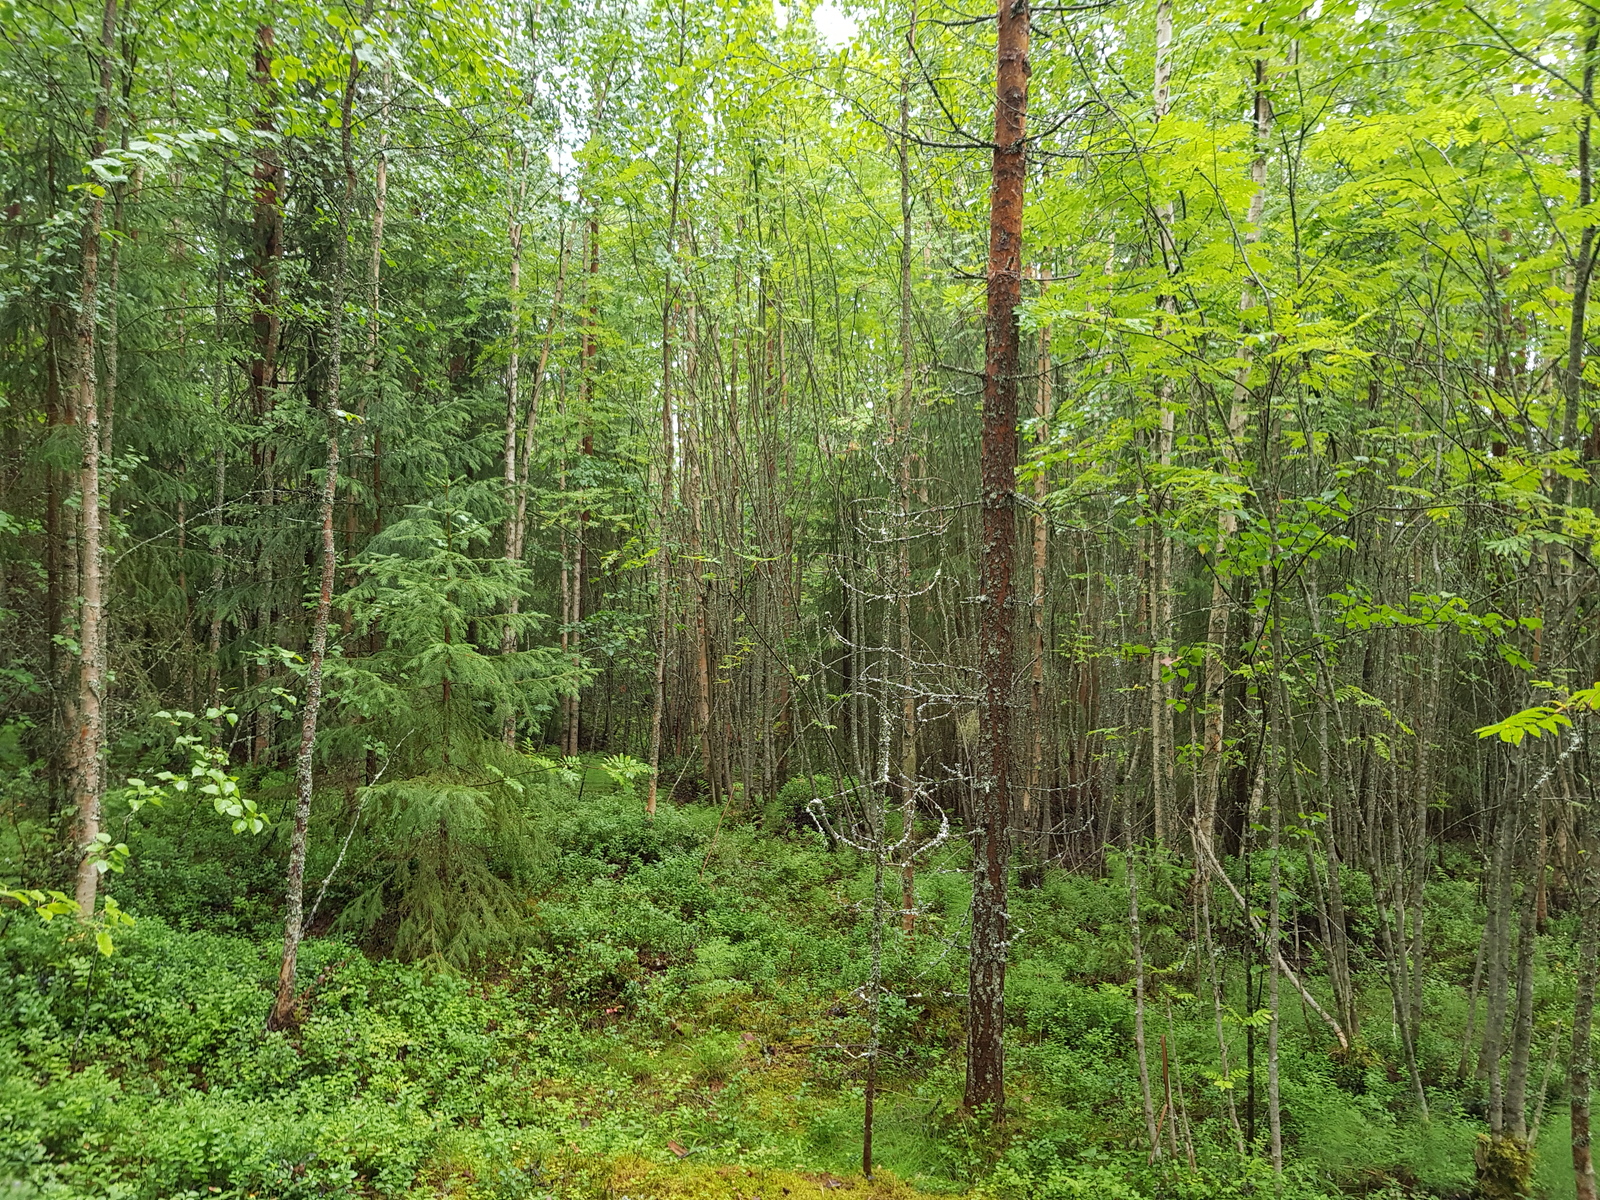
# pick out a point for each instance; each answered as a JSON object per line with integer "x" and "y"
{"x": 985, "y": 1085}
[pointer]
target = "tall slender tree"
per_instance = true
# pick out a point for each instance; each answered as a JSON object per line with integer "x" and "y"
{"x": 997, "y": 561}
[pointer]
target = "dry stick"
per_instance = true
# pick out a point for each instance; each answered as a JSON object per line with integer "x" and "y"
{"x": 1177, "y": 1078}
{"x": 1582, "y": 1066}
{"x": 1472, "y": 1005}
{"x": 1208, "y": 861}
{"x": 1152, "y": 1129}
{"x": 366, "y": 794}
{"x": 1217, "y": 1009}
{"x": 1544, "y": 1088}
{"x": 1166, "y": 1094}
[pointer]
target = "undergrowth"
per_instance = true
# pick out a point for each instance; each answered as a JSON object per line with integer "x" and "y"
{"x": 677, "y": 1015}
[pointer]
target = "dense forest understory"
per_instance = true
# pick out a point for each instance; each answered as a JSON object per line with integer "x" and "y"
{"x": 684, "y": 1008}
{"x": 634, "y": 598}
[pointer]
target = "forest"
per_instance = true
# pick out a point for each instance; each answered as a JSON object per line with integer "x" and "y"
{"x": 663, "y": 600}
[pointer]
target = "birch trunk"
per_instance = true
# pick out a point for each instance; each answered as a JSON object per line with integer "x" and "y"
{"x": 663, "y": 572}
{"x": 514, "y": 509}
{"x": 88, "y": 733}
{"x": 283, "y": 1013}
{"x": 1163, "y": 758}
{"x": 906, "y": 421}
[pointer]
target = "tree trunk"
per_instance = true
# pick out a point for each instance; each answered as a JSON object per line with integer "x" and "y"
{"x": 1581, "y": 1069}
{"x": 1136, "y": 939}
{"x": 370, "y": 387}
{"x": 514, "y": 508}
{"x": 267, "y": 251}
{"x": 220, "y": 484}
{"x": 89, "y": 732}
{"x": 1163, "y": 758}
{"x": 60, "y": 528}
{"x": 1572, "y": 377}
{"x": 283, "y": 1012}
{"x": 266, "y": 261}
{"x": 1520, "y": 1063}
{"x": 1216, "y": 669}
{"x": 669, "y": 303}
{"x": 1036, "y": 821}
{"x": 1504, "y": 1162}
{"x": 525, "y": 469}
{"x": 1273, "y": 739}
{"x": 985, "y": 1085}
{"x": 906, "y": 423}
{"x": 693, "y": 444}
{"x": 1494, "y": 1019}
{"x": 586, "y": 365}
{"x": 1339, "y": 974}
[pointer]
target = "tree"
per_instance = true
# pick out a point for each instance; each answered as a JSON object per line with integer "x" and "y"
{"x": 283, "y": 1008}
{"x": 1002, "y": 339}
{"x": 88, "y": 709}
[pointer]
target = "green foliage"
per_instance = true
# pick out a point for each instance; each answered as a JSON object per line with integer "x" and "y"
{"x": 450, "y": 861}
{"x": 1543, "y": 718}
{"x": 646, "y": 992}
{"x": 208, "y": 774}
{"x": 429, "y": 690}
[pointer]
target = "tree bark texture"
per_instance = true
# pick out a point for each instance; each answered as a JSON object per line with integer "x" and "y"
{"x": 283, "y": 1010}
{"x": 89, "y": 732}
{"x": 985, "y": 1084}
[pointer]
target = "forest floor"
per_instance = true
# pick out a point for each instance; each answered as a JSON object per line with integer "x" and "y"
{"x": 678, "y": 1013}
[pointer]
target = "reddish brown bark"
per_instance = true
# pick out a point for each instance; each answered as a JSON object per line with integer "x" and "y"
{"x": 987, "y": 958}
